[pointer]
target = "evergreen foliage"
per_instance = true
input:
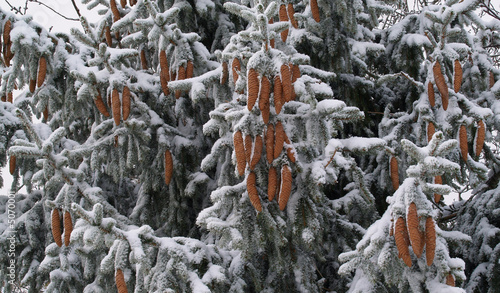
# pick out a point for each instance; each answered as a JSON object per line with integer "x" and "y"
{"x": 251, "y": 146}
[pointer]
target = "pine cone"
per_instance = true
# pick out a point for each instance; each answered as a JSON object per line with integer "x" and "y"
{"x": 123, "y": 3}
{"x": 295, "y": 72}
{"x": 56, "y": 227}
{"x": 492, "y": 79}
{"x": 283, "y": 17}
{"x": 42, "y": 71}
{"x": 279, "y": 139}
{"x": 286, "y": 80}
{"x": 430, "y": 131}
{"x": 6, "y": 32}
{"x": 253, "y": 88}
{"x": 144, "y": 60}
{"x": 272, "y": 183}
{"x": 450, "y": 280}
{"x": 463, "y": 142}
{"x": 252, "y": 192}
{"x": 101, "y": 106}
{"x": 68, "y": 227}
{"x": 286, "y": 186}
{"x": 248, "y": 148}
{"x": 394, "y": 173}
{"x": 441, "y": 84}
{"x": 225, "y": 73}
{"x": 457, "y": 78}
{"x": 278, "y": 94}
{"x": 236, "y": 67}
{"x": 126, "y": 102}
{"x": 181, "y": 75}
{"x": 271, "y": 41}
{"x": 430, "y": 240}
{"x": 480, "y": 135}
{"x": 413, "y": 230}
{"x": 32, "y": 85}
{"x": 291, "y": 13}
{"x": 257, "y": 152}
{"x": 240, "y": 152}
{"x": 114, "y": 10}
{"x": 315, "y": 10}
{"x": 107, "y": 34}
{"x": 437, "y": 180}
{"x": 116, "y": 107}
{"x": 399, "y": 235}
{"x": 189, "y": 69}
{"x": 289, "y": 150}
{"x": 270, "y": 143}
{"x": 12, "y": 165}
{"x": 121, "y": 286}
{"x": 164, "y": 78}
{"x": 265, "y": 91}
{"x": 45, "y": 113}
{"x": 430, "y": 94}
{"x": 169, "y": 167}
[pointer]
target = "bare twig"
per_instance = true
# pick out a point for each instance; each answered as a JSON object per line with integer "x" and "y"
{"x": 76, "y": 8}
{"x": 53, "y": 10}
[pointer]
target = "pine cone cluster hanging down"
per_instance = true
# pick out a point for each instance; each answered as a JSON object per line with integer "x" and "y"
{"x": 249, "y": 152}
{"x": 259, "y": 88}
{"x": 56, "y": 227}
{"x": 119, "y": 108}
{"x": 408, "y": 232}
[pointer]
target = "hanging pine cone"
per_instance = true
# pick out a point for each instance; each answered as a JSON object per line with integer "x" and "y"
{"x": 315, "y": 10}
{"x": 401, "y": 243}
{"x": 437, "y": 180}
{"x": 144, "y": 60}
{"x": 430, "y": 240}
{"x": 121, "y": 286}
{"x": 189, "y": 69}
{"x": 225, "y": 73}
{"x": 12, "y": 165}
{"x": 286, "y": 81}
{"x": 394, "y": 173}
{"x": 430, "y": 94}
{"x": 492, "y": 79}
{"x": 116, "y": 106}
{"x": 272, "y": 183}
{"x": 278, "y": 94}
{"x": 169, "y": 167}
{"x": 279, "y": 139}
{"x": 286, "y": 186}
{"x": 42, "y": 71}
{"x": 265, "y": 91}
{"x": 257, "y": 152}
{"x": 253, "y": 88}
{"x": 107, "y": 34}
{"x": 114, "y": 10}
{"x": 430, "y": 131}
{"x": 457, "y": 78}
{"x": 450, "y": 280}
{"x": 239, "y": 149}
{"x": 441, "y": 84}
{"x": 236, "y": 67}
{"x": 101, "y": 106}
{"x": 283, "y": 16}
{"x": 270, "y": 143}
{"x": 68, "y": 228}
{"x": 413, "y": 230}
{"x": 480, "y": 135}
{"x": 56, "y": 227}
{"x": 248, "y": 148}
{"x": 291, "y": 15}
{"x": 252, "y": 192}
{"x": 463, "y": 142}
{"x": 126, "y": 102}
